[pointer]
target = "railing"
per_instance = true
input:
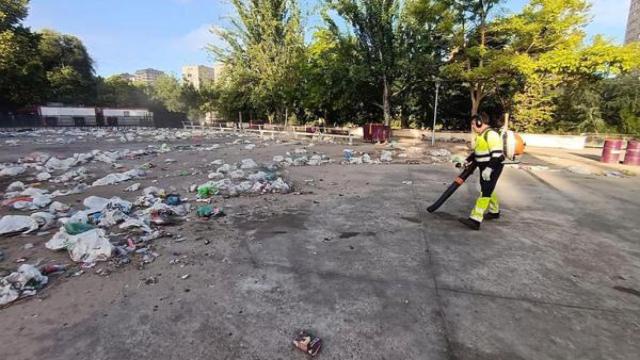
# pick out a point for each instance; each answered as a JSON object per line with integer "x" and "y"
{"x": 291, "y": 131}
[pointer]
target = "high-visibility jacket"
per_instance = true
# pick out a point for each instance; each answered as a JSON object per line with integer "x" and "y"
{"x": 489, "y": 148}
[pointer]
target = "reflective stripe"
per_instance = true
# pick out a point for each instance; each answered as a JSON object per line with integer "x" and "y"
{"x": 481, "y": 153}
{"x": 483, "y": 159}
{"x": 497, "y": 155}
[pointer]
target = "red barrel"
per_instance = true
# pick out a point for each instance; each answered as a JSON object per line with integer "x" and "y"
{"x": 632, "y": 156}
{"x": 612, "y": 151}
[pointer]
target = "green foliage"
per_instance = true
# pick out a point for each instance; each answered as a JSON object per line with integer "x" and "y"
{"x": 167, "y": 90}
{"x": 68, "y": 69}
{"x": 335, "y": 80}
{"x": 21, "y": 75}
{"x": 116, "y": 91}
{"x": 367, "y": 61}
{"x": 264, "y": 55}
{"x": 375, "y": 26}
{"x": 12, "y": 12}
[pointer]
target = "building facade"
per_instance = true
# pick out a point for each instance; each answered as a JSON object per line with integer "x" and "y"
{"x": 81, "y": 116}
{"x": 148, "y": 76}
{"x": 198, "y": 75}
{"x": 127, "y": 76}
{"x": 633, "y": 23}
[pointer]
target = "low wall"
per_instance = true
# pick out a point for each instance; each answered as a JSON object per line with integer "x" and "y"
{"x": 417, "y": 135}
{"x": 569, "y": 142}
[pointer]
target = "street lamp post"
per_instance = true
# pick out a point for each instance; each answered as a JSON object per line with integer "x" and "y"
{"x": 435, "y": 114}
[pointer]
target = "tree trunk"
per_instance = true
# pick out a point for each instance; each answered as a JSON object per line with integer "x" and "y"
{"x": 475, "y": 103}
{"x": 386, "y": 101}
{"x": 286, "y": 118}
{"x": 505, "y": 126}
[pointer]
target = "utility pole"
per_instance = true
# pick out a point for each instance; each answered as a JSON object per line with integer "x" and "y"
{"x": 435, "y": 115}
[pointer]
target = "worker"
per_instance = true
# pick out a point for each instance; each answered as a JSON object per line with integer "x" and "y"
{"x": 488, "y": 154}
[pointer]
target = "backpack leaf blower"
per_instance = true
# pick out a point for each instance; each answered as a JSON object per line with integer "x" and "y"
{"x": 468, "y": 170}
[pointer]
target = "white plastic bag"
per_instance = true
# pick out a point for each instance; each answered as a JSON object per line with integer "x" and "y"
{"x": 11, "y": 224}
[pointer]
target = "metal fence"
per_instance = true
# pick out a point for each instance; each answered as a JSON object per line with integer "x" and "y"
{"x": 19, "y": 120}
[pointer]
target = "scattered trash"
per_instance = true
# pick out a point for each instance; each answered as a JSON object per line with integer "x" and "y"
{"x": 58, "y": 207}
{"x": 614, "y": 174}
{"x": 207, "y": 190}
{"x": 133, "y": 188}
{"x": 116, "y": 178}
{"x": 155, "y": 191}
{"x": 12, "y": 171}
{"x": 209, "y": 211}
{"x": 45, "y": 220}
{"x": 51, "y": 269}
{"x": 87, "y": 247}
{"x": 164, "y": 218}
{"x": 308, "y": 343}
{"x": 75, "y": 228}
{"x": 13, "y": 224}
{"x": 440, "y": 153}
{"x": 533, "y": 168}
{"x": 348, "y": 154}
{"x": 581, "y": 170}
{"x": 173, "y": 200}
{"x": 15, "y": 186}
{"x": 386, "y": 156}
{"x": 248, "y": 164}
{"x": 43, "y": 176}
{"x": 22, "y": 283}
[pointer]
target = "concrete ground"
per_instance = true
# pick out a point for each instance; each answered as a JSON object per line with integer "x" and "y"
{"x": 355, "y": 257}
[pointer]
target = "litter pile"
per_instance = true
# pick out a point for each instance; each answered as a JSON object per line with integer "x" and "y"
{"x": 246, "y": 177}
{"x": 114, "y": 230}
{"x": 26, "y": 281}
{"x": 351, "y": 157}
{"x": 301, "y": 157}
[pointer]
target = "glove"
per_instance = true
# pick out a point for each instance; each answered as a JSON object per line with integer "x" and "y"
{"x": 486, "y": 174}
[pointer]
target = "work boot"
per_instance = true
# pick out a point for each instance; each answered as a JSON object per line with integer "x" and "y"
{"x": 492, "y": 216}
{"x": 471, "y": 224}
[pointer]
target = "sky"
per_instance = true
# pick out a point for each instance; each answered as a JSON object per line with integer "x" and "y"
{"x": 127, "y": 35}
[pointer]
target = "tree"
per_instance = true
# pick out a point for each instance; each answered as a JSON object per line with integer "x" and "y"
{"x": 264, "y": 54}
{"x": 425, "y": 31}
{"x": 336, "y": 87}
{"x": 375, "y": 25}
{"x": 167, "y": 90}
{"x": 546, "y": 46}
{"x": 68, "y": 67}
{"x": 116, "y": 91}
{"x": 476, "y": 60}
{"x": 544, "y": 27}
{"x": 21, "y": 75}
{"x": 12, "y": 12}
